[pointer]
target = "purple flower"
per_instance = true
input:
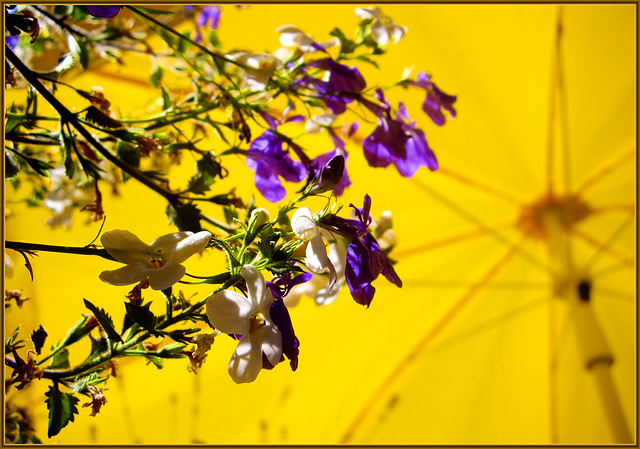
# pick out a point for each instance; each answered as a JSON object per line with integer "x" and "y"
{"x": 436, "y": 100}
{"x": 209, "y": 15}
{"x": 280, "y": 315}
{"x": 397, "y": 141}
{"x": 365, "y": 259}
{"x": 341, "y": 80}
{"x": 103, "y": 10}
{"x": 12, "y": 41}
{"x": 269, "y": 160}
{"x": 333, "y": 174}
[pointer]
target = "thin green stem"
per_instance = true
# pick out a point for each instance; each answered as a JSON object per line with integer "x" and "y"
{"x": 83, "y": 250}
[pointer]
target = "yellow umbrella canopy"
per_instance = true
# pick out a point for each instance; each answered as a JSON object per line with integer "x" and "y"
{"x": 516, "y": 322}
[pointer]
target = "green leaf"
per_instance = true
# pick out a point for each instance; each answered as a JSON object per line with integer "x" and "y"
{"x": 105, "y": 321}
{"x": 11, "y": 165}
{"x": 98, "y": 346}
{"x": 62, "y": 408}
{"x": 84, "y": 54}
{"x": 128, "y": 153}
{"x": 60, "y": 360}
{"x": 157, "y": 361}
{"x": 77, "y": 331}
{"x": 40, "y": 167}
{"x": 87, "y": 381}
{"x": 143, "y": 316}
{"x": 11, "y": 339}
{"x": 186, "y": 217}
{"x": 98, "y": 117}
{"x": 346, "y": 44}
{"x": 166, "y": 99}
{"x": 207, "y": 170}
{"x": 156, "y": 75}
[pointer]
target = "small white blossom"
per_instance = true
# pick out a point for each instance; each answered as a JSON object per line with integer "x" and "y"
{"x": 293, "y": 37}
{"x": 160, "y": 261}
{"x": 316, "y": 260}
{"x": 8, "y": 266}
{"x": 319, "y": 287}
{"x": 382, "y": 229}
{"x": 64, "y": 196}
{"x": 258, "y": 68}
{"x": 233, "y": 313}
{"x": 317, "y": 123}
{"x": 382, "y": 27}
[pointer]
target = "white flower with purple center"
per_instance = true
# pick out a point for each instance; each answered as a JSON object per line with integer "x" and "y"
{"x": 249, "y": 318}
{"x": 160, "y": 261}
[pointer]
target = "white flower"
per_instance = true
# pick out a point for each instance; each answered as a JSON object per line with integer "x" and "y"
{"x": 160, "y": 261}
{"x": 8, "y": 266}
{"x": 64, "y": 196}
{"x": 318, "y": 122}
{"x": 258, "y": 68}
{"x": 319, "y": 287}
{"x": 293, "y": 37}
{"x": 316, "y": 260}
{"x": 382, "y": 229}
{"x": 382, "y": 27}
{"x": 233, "y": 313}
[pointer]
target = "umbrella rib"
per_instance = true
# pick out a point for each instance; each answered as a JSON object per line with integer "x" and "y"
{"x": 488, "y": 324}
{"x": 456, "y": 238}
{"x": 470, "y": 218}
{"x": 478, "y": 185}
{"x": 604, "y": 169}
{"x": 611, "y": 293}
{"x": 555, "y": 85}
{"x": 607, "y": 246}
{"x": 429, "y": 336}
{"x": 455, "y": 283}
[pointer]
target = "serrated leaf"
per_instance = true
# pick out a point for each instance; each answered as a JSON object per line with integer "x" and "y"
{"x": 62, "y": 408}
{"x": 128, "y": 153}
{"x": 98, "y": 117}
{"x": 186, "y": 217}
{"x": 105, "y": 321}
{"x": 143, "y": 316}
{"x": 40, "y": 167}
{"x": 207, "y": 170}
{"x": 92, "y": 379}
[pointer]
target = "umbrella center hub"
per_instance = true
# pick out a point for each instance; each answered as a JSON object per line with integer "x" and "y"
{"x": 567, "y": 209}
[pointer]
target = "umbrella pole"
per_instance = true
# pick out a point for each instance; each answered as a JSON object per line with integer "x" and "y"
{"x": 574, "y": 287}
{"x": 598, "y": 359}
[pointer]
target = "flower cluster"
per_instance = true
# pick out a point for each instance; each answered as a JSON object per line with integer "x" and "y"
{"x": 260, "y": 106}
{"x": 365, "y": 259}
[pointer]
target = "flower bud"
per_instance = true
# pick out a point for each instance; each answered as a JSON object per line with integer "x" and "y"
{"x": 331, "y": 175}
